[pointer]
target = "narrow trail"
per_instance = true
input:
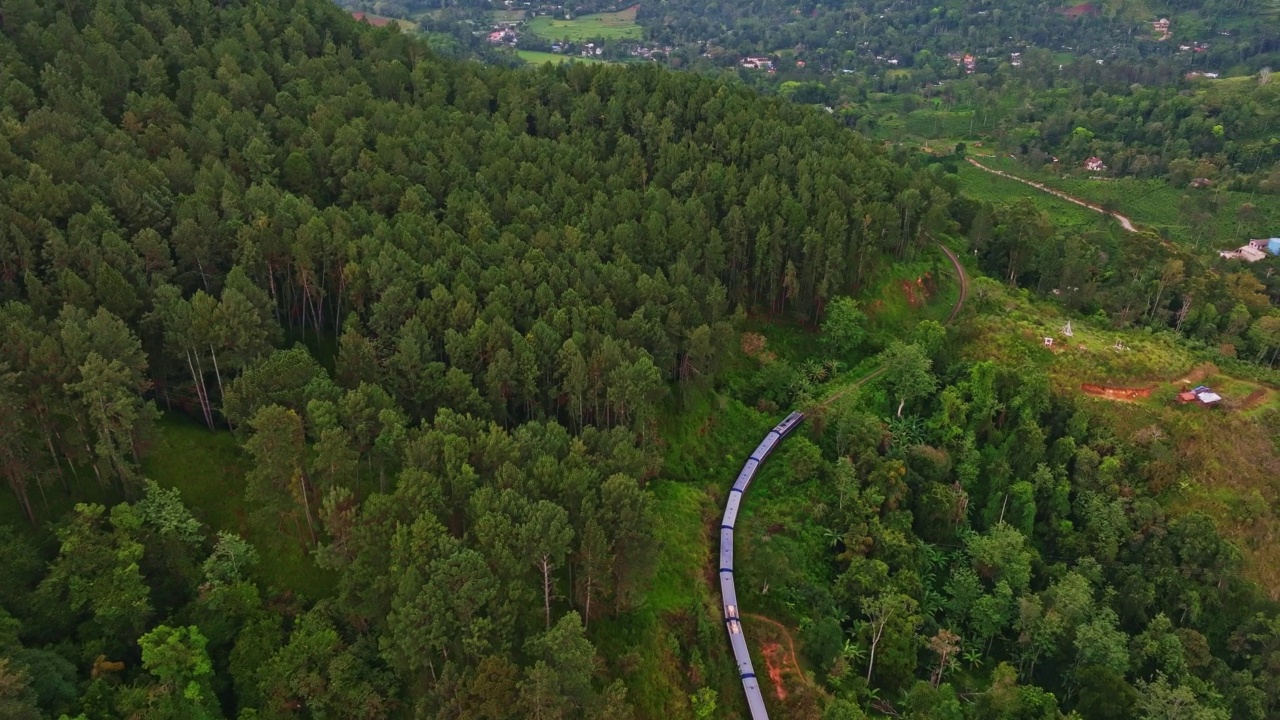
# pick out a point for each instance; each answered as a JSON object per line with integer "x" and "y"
{"x": 1125, "y": 222}
{"x": 955, "y": 311}
{"x": 792, "y": 658}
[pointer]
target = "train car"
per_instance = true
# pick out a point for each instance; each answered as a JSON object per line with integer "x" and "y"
{"x": 766, "y": 446}
{"x": 744, "y": 477}
{"x": 731, "y": 510}
{"x": 728, "y": 591}
{"x": 788, "y": 423}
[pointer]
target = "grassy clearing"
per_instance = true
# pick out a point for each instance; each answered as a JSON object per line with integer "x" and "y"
{"x": 537, "y": 57}
{"x": 1011, "y": 327}
{"x": 648, "y": 640}
{"x": 619, "y": 25}
{"x": 208, "y": 470}
{"x": 507, "y": 16}
{"x": 684, "y": 546}
{"x": 674, "y": 643}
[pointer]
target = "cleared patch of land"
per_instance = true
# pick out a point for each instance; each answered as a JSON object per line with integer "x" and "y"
{"x": 208, "y": 470}
{"x": 383, "y": 20}
{"x": 619, "y": 25}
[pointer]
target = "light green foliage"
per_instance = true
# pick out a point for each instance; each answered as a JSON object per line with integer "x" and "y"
{"x": 96, "y": 575}
{"x": 844, "y": 328}
{"x": 230, "y": 560}
{"x": 908, "y": 373}
{"x": 163, "y": 509}
{"x": 1159, "y": 699}
{"x": 1099, "y": 642}
{"x": 1001, "y": 554}
{"x": 176, "y": 657}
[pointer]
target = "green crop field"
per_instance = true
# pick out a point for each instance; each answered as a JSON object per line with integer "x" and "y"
{"x": 985, "y": 186}
{"x": 619, "y": 25}
{"x": 535, "y": 57}
{"x": 1208, "y": 218}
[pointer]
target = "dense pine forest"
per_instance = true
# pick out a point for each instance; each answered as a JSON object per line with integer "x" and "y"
{"x": 451, "y": 321}
{"x": 517, "y": 267}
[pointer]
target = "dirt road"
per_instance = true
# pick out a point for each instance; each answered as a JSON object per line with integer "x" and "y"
{"x": 1125, "y": 222}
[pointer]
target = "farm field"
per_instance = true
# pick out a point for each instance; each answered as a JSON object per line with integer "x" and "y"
{"x": 1208, "y": 219}
{"x": 537, "y": 57}
{"x": 619, "y": 25}
{"x": 985, "y": 186}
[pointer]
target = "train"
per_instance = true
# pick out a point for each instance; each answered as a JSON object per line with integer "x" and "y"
{"x": 729, "y": 594}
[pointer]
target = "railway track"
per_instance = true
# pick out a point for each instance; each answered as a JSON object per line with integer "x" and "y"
{"x": 728, "y": 591}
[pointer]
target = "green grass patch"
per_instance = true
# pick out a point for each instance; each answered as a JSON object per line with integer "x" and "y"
{"x": 208, "y": 470}
{"x": 683, "y": 546}
{"x": 619, "y": 25}
{"x": 537, "y": 57}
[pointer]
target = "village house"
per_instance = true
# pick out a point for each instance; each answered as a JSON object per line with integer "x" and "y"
{"x": 1202, "y": 394}
{"x": 1094, "y": 164}
{"x": 1201, "y": 183}
{"x": 1254, "y": 250}
{"x": 502, "y": 35}
{"x": 1271, "y": 245}
{"x": 757, "y": 63}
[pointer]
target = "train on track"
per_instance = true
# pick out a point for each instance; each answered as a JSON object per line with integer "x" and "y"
{"x": 732, "y": 618}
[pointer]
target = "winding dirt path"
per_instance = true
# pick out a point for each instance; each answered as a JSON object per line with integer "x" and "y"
{"x": 1125, "y": 222}
{"x": 790, "y": 658}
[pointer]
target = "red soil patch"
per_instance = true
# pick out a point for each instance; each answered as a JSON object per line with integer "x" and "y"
{"x": 1077, "y": 10}
{"x": 919, "y": 291}
{"x": 1253, "y": 399}
{"x": 1116, "y": 393}
{"x": 771, "y": 651}
{"x": 374, "y": 20}
{"x": 628, "y": 13}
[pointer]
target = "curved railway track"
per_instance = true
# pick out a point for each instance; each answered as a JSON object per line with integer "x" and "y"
{"x": 728, "y": 592}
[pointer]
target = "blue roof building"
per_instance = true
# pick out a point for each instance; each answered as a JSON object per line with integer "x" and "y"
{"x": 1273, "y": 246}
